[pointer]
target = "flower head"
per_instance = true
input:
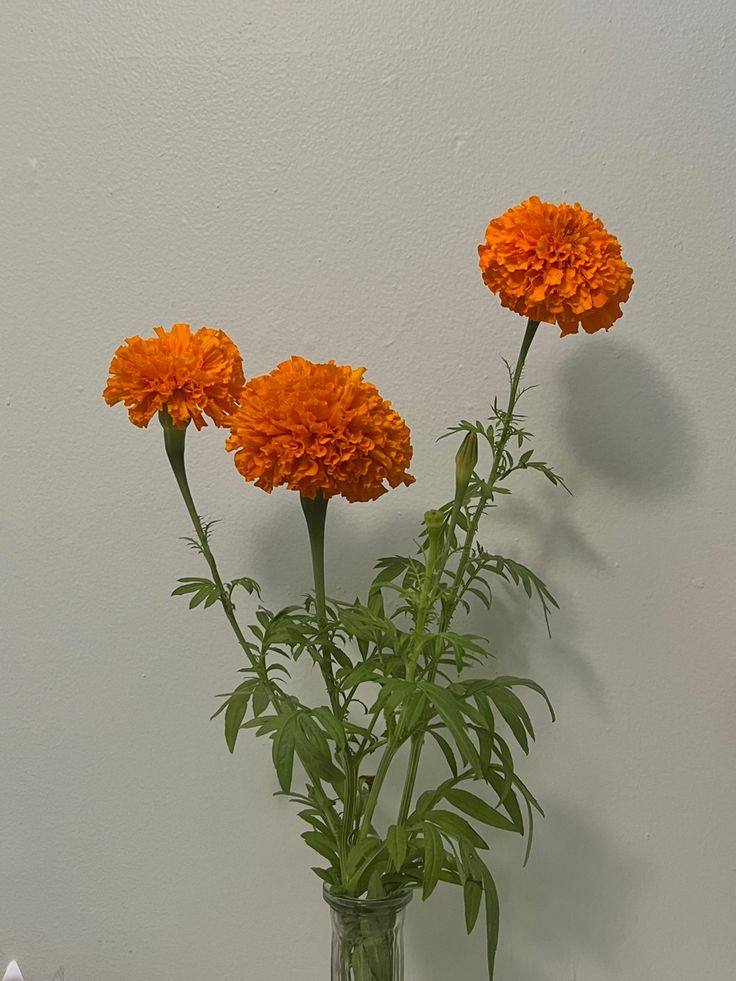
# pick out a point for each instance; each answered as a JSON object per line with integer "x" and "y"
{"x": 187, "y": 373}
{"x": 557, "y": 264}
{"x": 319, "y": 427}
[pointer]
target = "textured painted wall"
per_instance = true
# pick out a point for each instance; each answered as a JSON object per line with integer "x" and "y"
{"x": 314, "y": 178}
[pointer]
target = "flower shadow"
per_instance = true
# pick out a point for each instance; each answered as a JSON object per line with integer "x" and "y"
{"x": 627, "y": 423}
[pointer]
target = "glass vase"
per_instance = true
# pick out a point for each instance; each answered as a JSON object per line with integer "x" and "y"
{"x": 367, "y": 937}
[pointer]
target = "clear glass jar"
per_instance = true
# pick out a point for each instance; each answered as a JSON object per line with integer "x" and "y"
{"x": 367, "y": 937}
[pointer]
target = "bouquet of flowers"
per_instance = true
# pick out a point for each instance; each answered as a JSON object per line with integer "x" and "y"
{"x": 397, "y": 668}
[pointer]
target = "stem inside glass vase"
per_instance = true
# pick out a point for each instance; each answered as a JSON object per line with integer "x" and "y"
{"x": 367, "y": 937}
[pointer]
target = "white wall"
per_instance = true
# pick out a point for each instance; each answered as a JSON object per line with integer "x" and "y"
{"x": 314, "y": 178}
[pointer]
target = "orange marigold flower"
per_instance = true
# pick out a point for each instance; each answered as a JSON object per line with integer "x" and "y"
{"x": 319, "y": 427}
{"x": 557, "y": 264}
{"x": 187, "y": 373}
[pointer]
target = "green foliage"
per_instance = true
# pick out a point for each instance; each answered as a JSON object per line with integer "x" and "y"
{"x": 397, "y": 670}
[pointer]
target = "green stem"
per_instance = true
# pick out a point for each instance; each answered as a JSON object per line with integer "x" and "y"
{"x": 392, "y": 748}
{"x": 432, "y": 521}
{"x": 417, "y": 742}
{"x": 174, "y": 441}
{"x": 487, "y": 490}
{"x": 315, "y": 512}
{"x": 434, "y": 532}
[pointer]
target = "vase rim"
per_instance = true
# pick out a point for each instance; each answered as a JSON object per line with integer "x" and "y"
{"x": 396, "y": 902}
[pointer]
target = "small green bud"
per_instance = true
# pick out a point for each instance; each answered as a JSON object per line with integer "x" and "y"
{"x": 465, "y": 460}
{"x": 434, "y": 521}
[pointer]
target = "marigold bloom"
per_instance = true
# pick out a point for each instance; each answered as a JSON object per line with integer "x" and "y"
{"x": 188, "y": 373}
{"x": 319, "y": 427}
{"x": 557, "y": 264}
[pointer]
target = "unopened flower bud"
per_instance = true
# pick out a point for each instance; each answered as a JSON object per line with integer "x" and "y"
{"x": 433, "y": 521}
{"x": 465, "y": 461}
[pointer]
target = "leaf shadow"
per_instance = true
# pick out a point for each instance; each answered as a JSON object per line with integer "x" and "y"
{"x": 571, "y": 905}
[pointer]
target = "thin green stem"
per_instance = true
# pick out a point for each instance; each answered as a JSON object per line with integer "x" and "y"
{"x": 433, "y": 524}
{"x": 432, "y": 520}
{"x": 174, "y": 441}
{"x": 487, "y": 489}
{"x": 315, "y": 512}
{"x": 417, "y": 742}
{"x": 392, "y": 748}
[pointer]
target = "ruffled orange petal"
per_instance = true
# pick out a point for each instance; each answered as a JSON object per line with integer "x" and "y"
{"x": 319, "y": 427}
{"x": 189, "y": 374}
{"x": 557, "y": 264}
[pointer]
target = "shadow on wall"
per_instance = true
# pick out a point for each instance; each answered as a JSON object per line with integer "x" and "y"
{"x": 571, "y": 906}
{"x": 626, "y": 421}
{"x": 627, "y": 424}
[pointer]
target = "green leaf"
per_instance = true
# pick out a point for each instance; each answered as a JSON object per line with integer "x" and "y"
{"x": 492, "y": 918}
{"x": 514, "y": 714}
{"x": 434, "y": 856}
{"x": 322, "y": 846}
{"x": 425, "y": 802}
{"x": 485, "y": 745}
{"x": 414, "y": 710}
{"x": 261, "y": 700}
{"x": 472, "y": 895}
{"x": 263, "y": 724}
{"x": 507, "y": 764}
{"x": 313, "y": 749}
{"x": 249, "y": 585}
{"x": 451, "y": 715}
{"x": 455, "y": 826}
{"x": 332, "y": 726}
{"x": 360, "y": 856}
{"x": 201, "y": 596}
{"x": 477, "y": 808}
{"x": 506, "y": 797}
{"x": 397, "y": 843}
{"x": 511, "y": 682}
{"x": 234, "y": 715}
{"x": 315, "y": 819}
{"x": 192, "y": 586}
{"x": 446, "y": 750}
{"x": 283, "y": 752}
